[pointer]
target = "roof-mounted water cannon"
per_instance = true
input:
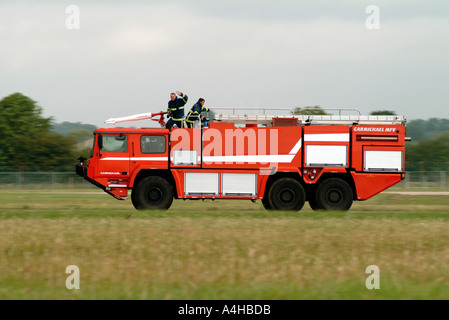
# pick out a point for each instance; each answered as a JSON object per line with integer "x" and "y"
{"x": 140, "y": 116}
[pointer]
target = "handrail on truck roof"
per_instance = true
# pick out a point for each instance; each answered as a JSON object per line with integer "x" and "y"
{"x": 287, "y": 109}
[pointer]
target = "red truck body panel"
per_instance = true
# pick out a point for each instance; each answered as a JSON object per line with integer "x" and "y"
{"x": 229, "y": 162}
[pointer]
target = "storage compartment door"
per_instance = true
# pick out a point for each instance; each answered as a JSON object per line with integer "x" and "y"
{"x": 202, "y": 183}
{"x": 239, "y": 184}
{"x": 185, "y": 158}
{"x": 326, "y": 156}
{"x": 383, "y": 160}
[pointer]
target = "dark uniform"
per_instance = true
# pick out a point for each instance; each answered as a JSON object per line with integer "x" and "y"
{"x": 176, "y": 109}
{"x": 194, "y": 114}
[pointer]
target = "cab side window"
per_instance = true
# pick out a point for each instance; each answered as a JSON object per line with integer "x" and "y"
{"x": 153, "y": 144}
{"x": 115, "y": 143}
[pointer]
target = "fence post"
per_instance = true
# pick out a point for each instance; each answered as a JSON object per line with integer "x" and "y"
{"x": 442, "y": 179}
{"x": 423, "y": 179}
{"x": 421, "y": 173}
{"x": 407, "y": 180}
{"x": 19, "y": 178}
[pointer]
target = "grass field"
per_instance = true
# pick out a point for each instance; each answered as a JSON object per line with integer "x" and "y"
{"x": 221, "y": 249}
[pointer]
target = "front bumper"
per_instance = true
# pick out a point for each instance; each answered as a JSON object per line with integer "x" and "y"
{"x": 118, "y": 193}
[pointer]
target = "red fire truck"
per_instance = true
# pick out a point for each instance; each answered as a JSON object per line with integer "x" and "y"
{"x": 327, "y": 160}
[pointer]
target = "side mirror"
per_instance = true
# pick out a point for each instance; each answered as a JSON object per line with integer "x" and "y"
{"x": 100, "y": 141}
{"x": 121, "y": 137}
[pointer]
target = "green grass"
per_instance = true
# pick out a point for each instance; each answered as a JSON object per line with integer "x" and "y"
{"x": 221, "y": 249}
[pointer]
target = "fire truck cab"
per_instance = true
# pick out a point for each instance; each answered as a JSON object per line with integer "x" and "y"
{"x": 284, "y": 161}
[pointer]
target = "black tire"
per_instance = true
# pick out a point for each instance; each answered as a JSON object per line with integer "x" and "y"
{"x": 266, "y": 204}
{"x": 152, "y": 193}
{"x": 334, "y": 194}
{"x": 286, "y": 194}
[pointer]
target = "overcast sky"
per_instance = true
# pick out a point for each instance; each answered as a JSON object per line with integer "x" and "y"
{"x": 128, "y": 56}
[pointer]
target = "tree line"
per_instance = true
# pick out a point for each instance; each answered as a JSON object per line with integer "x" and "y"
{"x": 27, "y": 138}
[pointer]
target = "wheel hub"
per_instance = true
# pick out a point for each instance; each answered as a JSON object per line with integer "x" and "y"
{"x": 334, "y": 196}
{"x": 286, "y": 195}
{"x": 154, "y": 195}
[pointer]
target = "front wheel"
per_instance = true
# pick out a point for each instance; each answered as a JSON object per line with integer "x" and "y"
{"x": 266, "y": 204}
{"x": 287, "y": 194}
{"x": 334, "y": 194}
{"x": 152, "y": 193}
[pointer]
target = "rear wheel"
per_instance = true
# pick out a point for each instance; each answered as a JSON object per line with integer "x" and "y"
{"x": 286, "y": 194}
{"x": 334, "y": 194}
{"x": 152, "y": 193}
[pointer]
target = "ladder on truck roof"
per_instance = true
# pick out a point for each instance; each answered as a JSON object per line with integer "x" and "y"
{"x": 267, "y": 120}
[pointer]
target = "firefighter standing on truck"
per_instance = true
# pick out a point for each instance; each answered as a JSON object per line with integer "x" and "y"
{"x": 195, "y": 112}
{"x": 176, "y": 110}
